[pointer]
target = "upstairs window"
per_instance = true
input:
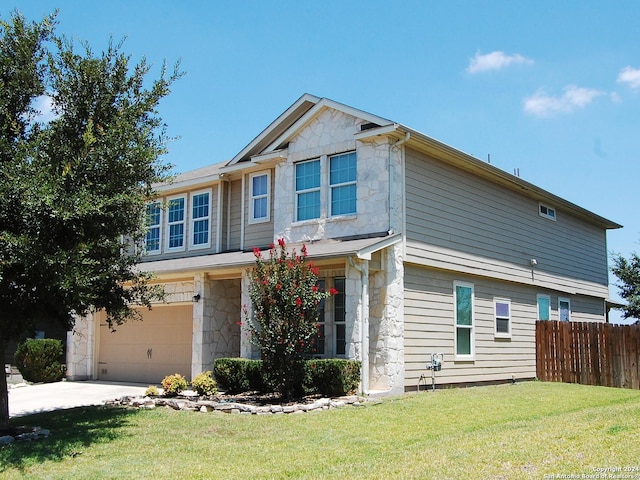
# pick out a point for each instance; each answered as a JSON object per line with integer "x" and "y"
{"x": 154, "y": 221}
{"x": 175, "y": 223}
{"x": 259, "y": 197}
{"x": 547, "y": 212}
{"x": 200, "y": 214}
{"x": 342, "y": 183}
{"x": 308, "y": 190}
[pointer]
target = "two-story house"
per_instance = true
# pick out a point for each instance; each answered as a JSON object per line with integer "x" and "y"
{"x": 430, "y": 249}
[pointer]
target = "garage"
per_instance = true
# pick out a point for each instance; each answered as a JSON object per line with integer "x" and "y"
{"x": 146, "y": 351}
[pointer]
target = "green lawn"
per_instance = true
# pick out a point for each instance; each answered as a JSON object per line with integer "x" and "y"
{"x": 526, "y": 430}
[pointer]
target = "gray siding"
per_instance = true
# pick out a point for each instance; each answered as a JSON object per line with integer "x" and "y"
{"x": 429, "y": 327}
{"x": 258, "y": 234}
{"x": 457, "y": 221}
{"x": 234, "y": 219}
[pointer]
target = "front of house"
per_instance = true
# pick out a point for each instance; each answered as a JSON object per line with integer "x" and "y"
{"x": 430, "y": 250}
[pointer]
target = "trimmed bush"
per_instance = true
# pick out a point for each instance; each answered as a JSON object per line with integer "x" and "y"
{"x": 151, "y": 391}
{"x": 328, "y": 377}
{"x": 332, "y": 377}
{"x": 235, "y": 375}
{"x": 174, "y": 384}
{"x": 39, "y": 360}
{"x": 204, "y": 384}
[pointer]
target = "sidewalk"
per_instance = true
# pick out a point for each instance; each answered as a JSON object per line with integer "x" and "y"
{"x": 30, "y": 399}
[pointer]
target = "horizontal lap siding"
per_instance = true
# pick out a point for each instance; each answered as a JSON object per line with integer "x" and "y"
{"x": 258, "y": 234}
{"x": 458, "y": 221}
{"x": 429, "y": 328}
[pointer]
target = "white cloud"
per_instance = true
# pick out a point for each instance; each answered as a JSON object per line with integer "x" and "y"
{"x": 630, "y": 76}
{"x": 542, "y": 105}
{"x": 44, "y": 105}
{"x": 495, "y": 61}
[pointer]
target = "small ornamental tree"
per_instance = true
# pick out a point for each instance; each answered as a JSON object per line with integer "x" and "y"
{"x": 284, "y": 326}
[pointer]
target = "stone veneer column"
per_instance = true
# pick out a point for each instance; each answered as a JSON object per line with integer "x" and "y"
{"x": 387, "y": 336}
{"x": 247, "y": 349}
{"x": 81, "y": 349}
{"x": 200, "y": 357}
{"x": 357, "y": 308}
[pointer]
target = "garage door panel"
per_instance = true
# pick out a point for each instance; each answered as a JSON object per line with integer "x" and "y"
{"x": 148, "y": 350}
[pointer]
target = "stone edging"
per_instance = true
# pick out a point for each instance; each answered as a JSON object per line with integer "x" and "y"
{"x": 237, "y": 407}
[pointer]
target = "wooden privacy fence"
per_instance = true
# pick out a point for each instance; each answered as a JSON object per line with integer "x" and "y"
{"x": 588, "y": 353}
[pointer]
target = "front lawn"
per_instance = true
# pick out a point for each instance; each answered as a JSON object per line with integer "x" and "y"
{"x": 526, "y": 430}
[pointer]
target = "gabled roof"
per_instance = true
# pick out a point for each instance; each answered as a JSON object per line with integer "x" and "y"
{"x": 278, "y": 133}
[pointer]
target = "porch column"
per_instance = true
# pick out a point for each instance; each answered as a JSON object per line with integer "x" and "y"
{"x": 357, "y": 307}
{"x": 247, "y": 349}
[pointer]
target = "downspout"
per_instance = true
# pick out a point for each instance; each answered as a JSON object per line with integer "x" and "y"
{"x": 398, "y": 144}
{"x": 364, "y": 327}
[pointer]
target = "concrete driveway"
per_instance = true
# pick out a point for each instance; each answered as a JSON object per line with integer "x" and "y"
{"x": 29, "y": 399}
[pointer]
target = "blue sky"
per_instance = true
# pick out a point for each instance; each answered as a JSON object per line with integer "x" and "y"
{"x": 551, "y": 88}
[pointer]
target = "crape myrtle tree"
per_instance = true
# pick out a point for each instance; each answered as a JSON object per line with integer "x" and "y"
{"x": 285, "y": 297}
{"x": 628, "y": 273}
{"x": 73, "y": 187}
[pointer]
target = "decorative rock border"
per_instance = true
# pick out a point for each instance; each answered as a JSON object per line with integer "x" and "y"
{"x": 233, "y": 407}
{"x": 26, "y": 434}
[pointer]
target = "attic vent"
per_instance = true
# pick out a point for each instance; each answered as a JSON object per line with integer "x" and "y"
{"x": 368, "y": 126}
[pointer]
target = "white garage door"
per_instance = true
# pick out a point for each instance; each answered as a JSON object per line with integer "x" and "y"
{"x": 148, "y": 350}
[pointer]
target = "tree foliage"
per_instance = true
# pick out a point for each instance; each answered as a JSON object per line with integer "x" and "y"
{"x": 628, "y": 273}
{"x": 72, "y": 188}
{"x": 285, "y": 297}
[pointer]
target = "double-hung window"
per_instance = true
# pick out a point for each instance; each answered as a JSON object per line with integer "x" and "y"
{"x": 154, "y": 222}
{"x": 200, "y": 219}
{"x": 463, "y": 301}
{"x": 544, "y": 307}
{"x": 259, "y": 198}
{"x": 308, "y": 190}
{"x": 175, "y": 223}
{"x": 502, "y": 312}
{"x": 342, "y": 183}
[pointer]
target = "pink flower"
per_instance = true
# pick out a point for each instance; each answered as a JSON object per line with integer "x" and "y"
{"x": 256, "y": 252}
{"x": 281, "y": 242}
{"x": 298, "y": 301}
{"x": 304, "y": 250}
{"x": 333, "y": 291}
{"x": 315, "y": 288}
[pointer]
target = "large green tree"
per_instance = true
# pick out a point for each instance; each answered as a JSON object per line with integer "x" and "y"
{"x": 73, "y": 187}
{"x": 628, "y": 273}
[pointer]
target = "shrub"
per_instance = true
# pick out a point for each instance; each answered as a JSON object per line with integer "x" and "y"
{"x": 39, "y": 360}
{"x": 332, "y": 377}
{"x": 204, "y": 384}
{"x": 152, "y": 391}
{"x": 235, "y": 375}
{"x": 174, "y": 384}
{"x": 284, "y": 324}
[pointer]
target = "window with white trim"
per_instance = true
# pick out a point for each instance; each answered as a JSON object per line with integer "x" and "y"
{"x": 152, "y": 242}
{"x": 259, "y": 205}
{"x": 544, "y": 307}
{"x": 564, "y": 309}
{"x": 464, "y": 334}
{"x": 342, "y": 183}
{"x": 200, "y": 219}
{"x": 502, "y": 312}
{"x": 308, "y": 190}
{"x": 547, "y": 212}
{"x": 176, "y": 223}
